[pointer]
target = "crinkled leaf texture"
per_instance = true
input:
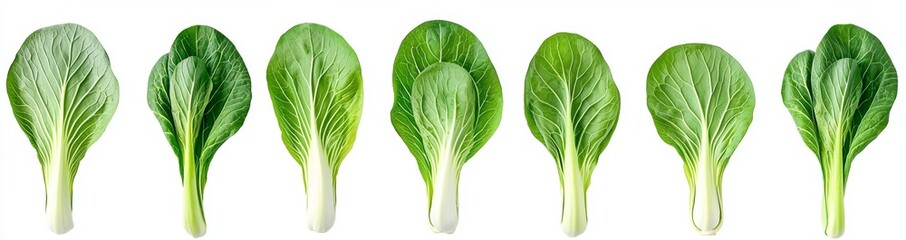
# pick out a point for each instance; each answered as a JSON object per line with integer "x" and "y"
{"x": 571, "y": 105}
{"x": 63, "y": 94}
{"x": 451, "y": 46}
{"x": 315, "y": 83}
{"x": 200, "y": 92}
{"x": 840, "y": 98}
{"x": 702, "y": 101}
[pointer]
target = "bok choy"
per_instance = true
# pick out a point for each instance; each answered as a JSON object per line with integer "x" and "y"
{"x": 702, "y": 102}
{"x": 840, "y": 98}
{"x": 200, "y": 93}
{"x": 571, "y": 106}
{"x": 315, "y": 83}
{"x": 63, "y": 93}
{"x": 447, "y": 105}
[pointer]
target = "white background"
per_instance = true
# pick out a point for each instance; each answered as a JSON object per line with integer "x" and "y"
{"x": 128, "y": 185}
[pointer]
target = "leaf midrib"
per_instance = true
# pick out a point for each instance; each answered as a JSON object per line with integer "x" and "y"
{"x": 60, "y": 135}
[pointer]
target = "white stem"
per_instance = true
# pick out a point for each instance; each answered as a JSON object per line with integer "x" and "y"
{"x": 706, "y": 208}
{"x": 59, "y": 196}
{"x": 444, "y": 214}
{"x": 574, "y": 219}
{"x": 320, "y": 189}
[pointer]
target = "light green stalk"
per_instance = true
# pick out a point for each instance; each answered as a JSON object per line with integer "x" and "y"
{"x": 574, "y": 218}
{"x": 834, "y": 189}
{"x": 190, "y": 93}
{"x": 193, "y": 212}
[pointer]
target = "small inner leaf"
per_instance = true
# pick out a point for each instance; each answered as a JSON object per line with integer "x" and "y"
{"x": 836, "y": 100}
{"x": 443, "y": 104}
{"x": 190, "y": 90}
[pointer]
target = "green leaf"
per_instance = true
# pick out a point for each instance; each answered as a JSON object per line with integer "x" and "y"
{"x": 159, "y": 101}
{"x": 702, "y": 101}
{"x": 571, "y": 106}
{"x": 431, "y": 43}
{"x": 879, "y": 81}
{"x": 63, "y": 94}
{"x": 797, "y": 96}
{"x": 315, "y": 83}
{"x": 200, "y": 57}
{"x": 852, "y": 85}
{"x": 442, "y": 41}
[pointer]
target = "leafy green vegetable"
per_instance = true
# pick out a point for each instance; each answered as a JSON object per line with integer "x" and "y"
{"x": 315, "y": 82}
{"x": 63, "y": 93}
{"x": 572, "y": 106}
{"x": 447, "y": 105}
{"x": 702, "y": 102}
{"x": 200, "y": 92}
{"x": 840, "y": 98}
